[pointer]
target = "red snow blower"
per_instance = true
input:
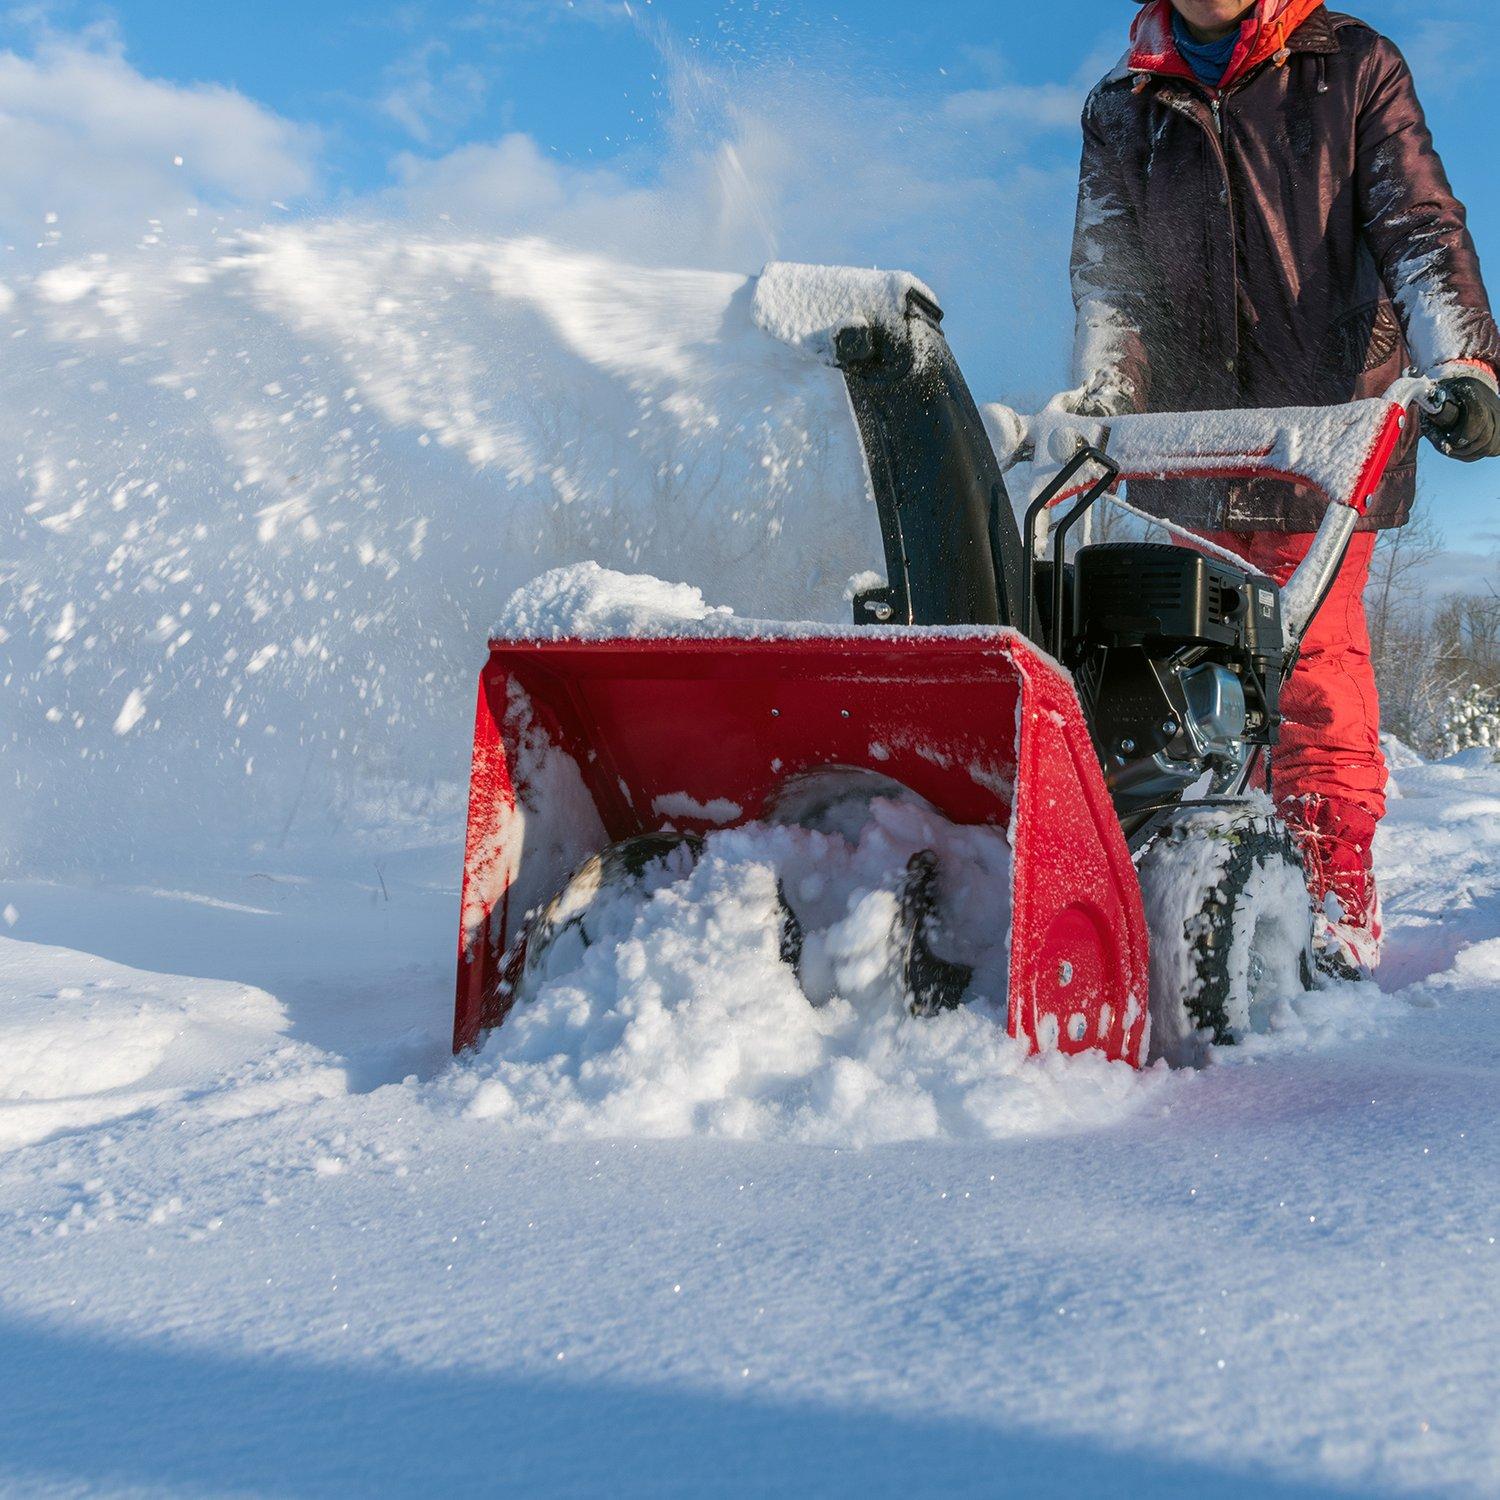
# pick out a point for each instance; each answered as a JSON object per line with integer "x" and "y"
{"x": 1106, "y": 711}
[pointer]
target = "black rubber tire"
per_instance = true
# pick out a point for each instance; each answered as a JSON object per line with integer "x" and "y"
{"x": 1231, "y": 925}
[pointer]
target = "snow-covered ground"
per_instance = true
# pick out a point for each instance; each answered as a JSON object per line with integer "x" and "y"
{"x": 255, "y": 1235}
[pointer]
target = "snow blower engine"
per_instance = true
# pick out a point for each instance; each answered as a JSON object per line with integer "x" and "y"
{"x": 1107, "y": 709}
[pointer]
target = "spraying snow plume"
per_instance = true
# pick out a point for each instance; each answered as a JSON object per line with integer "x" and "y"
{"x": 272, "y": 496}
{"x": 271, "y": 483}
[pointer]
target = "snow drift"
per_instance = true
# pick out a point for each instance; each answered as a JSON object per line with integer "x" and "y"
{"x": 112, "y": 1042}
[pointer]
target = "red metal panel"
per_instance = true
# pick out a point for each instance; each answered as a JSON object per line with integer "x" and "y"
{"x": 1080, "y": 959}
{"x": 492, "y": 800}
{"x": 731, "y": 721}
{"x": 657, "y": 725}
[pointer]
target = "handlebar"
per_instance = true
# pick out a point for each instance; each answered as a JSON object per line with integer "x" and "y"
{"x": 1342, "y": 451}
{"x": 1446, "y": 416}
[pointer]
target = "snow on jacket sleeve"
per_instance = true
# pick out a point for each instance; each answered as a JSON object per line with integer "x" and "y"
{"x": 1416, "y": 227}
{"x": 1110, "y": 364}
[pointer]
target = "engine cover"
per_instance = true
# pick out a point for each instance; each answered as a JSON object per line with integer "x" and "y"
{"x": 1179, "y": 660}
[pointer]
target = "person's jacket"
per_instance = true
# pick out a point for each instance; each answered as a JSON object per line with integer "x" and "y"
{"x": 1289, "y": 239}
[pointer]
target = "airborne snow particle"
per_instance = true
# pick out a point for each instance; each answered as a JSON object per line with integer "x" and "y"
{"x": 131, "y": 712}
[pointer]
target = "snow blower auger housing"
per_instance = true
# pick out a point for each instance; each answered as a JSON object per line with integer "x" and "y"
{"x": 696, "y": 735}
{"x": 1071, "y": 704}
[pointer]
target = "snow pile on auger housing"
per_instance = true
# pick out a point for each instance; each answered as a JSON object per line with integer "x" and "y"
{"x": 587, "y": 602}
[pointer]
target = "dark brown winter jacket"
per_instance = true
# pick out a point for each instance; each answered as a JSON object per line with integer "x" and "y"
{"x": 1291, "y": 240}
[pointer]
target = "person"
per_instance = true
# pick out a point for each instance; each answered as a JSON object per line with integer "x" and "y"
{"x": 1263, "y": 221}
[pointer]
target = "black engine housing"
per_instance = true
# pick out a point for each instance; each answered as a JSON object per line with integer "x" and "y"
{"x": 1179, "y": 660}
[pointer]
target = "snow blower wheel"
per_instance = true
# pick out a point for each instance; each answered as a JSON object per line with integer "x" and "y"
{"x": 837, "y": 799}
{"x": 933, "y": 984}
{"x": 1231, "y": 927}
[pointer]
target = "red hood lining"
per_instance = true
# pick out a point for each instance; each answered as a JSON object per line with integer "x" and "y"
{"x": 1263, "y": 35}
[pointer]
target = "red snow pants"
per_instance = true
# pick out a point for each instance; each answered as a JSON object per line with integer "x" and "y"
{"x": 1328, "y": 776}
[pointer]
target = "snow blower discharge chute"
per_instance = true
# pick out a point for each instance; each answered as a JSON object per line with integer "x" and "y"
{"x": 1107, "y": 712}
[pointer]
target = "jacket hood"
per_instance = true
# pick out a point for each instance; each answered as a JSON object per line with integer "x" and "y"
{"x": 1264, "y": 34}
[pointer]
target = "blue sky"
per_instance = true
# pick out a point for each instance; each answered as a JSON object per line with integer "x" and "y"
{"x": 941, "y": 135}
{"x": 586, "y": 80}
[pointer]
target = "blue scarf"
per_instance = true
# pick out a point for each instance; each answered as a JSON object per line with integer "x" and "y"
{"x": 1208, "y": 60}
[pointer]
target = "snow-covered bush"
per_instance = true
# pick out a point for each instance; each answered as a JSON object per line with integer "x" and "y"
{"x": 1471, "y": 721}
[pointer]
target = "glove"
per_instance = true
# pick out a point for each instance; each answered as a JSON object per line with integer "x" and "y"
{"x": 1467, "y": 424}
{"x": 1094, "y": 404}
{"x": 1104, "y": 397}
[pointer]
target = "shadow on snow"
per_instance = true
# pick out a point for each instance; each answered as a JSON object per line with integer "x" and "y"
{"x": 90, "y": 1412}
